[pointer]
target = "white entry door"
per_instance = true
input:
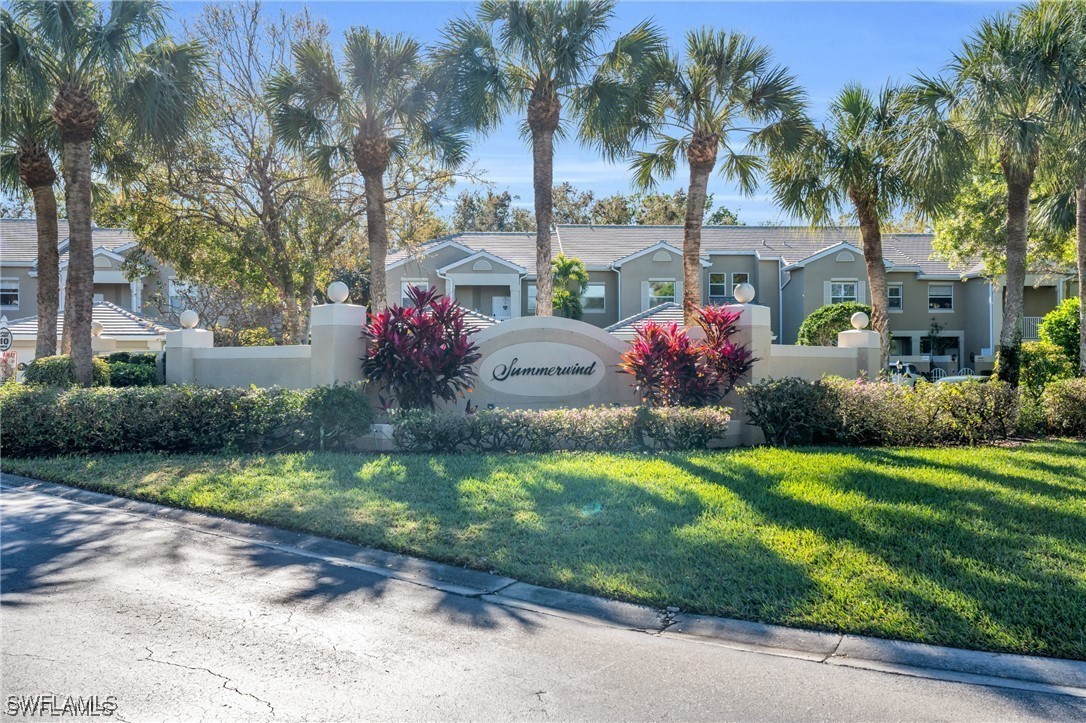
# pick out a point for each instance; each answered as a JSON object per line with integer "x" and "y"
{"x": 501, "y": 307}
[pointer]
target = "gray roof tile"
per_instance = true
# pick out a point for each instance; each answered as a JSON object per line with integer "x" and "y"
{"x": 117, "y": 322}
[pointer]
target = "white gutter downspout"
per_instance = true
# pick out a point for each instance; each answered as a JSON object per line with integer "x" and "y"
{"x": 618, "y": 303}
{"x": 780, "y": 302}
{"x": 991, "y": 317}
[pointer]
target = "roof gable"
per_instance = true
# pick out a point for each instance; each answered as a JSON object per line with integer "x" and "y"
{"x": 481, "y": 262}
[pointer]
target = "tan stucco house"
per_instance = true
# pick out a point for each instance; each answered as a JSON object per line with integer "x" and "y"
{"x": 794, "y": 270}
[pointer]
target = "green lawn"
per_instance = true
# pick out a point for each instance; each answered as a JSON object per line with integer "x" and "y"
{"x": 982, "y": 548}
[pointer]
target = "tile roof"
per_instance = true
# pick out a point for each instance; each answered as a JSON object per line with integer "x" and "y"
{"x": 599, "y": 246}
{"x": 475, "y": 322}
{"x": 118, "y": 322}
{"x": 19, "y": 239}
{"x": 665, "y": 313}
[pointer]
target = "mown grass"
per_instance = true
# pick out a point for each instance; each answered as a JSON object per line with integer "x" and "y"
{"x": 982, "y": 548}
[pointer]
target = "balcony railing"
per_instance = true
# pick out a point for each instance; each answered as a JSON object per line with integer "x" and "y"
{"x": 1030, "y": 325}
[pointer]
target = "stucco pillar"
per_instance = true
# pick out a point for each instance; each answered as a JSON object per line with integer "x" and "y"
{"x": 514, "y": 300}
{"x": 136, "y": 287}
{"x": 753, "y": 329}
{"x": 180, "y": 345}
{"x": 103, "y": 345}
{"x": 868, "y": 348}
{"x": 338, "y": 346}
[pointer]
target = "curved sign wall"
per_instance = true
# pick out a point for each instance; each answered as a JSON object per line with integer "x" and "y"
{"x": 542, "y": 369}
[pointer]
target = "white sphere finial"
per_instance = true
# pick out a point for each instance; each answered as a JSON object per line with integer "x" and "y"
{"x": 97, "y": 328}
{"x": 860, "y": 320}
{"x": 189, "y": 319}
{"x": 743, "y": 293}
{"x": 337, "y": 292}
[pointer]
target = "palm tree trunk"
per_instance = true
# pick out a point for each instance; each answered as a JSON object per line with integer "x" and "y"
{"x": 1010, "y": 337}
{"x": 871, "y": 236}
{"x": 542, "y": 178}
{"x": 695, "y": 212}
{"x": 79, "y": 296}
{"x": 1080, "y": 232}
{"x": 45, "y": 208}
{"x": 377, "y": 232}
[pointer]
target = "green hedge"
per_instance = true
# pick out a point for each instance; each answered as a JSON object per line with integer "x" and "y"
{"x": 1065, "y": 406}
{"x": 837, "y": 411}
{"x": 57, "y": 371}
{"x": 614, "y": 429}
{"x": 43, "y": 421}
{"x": 826, "y": 322}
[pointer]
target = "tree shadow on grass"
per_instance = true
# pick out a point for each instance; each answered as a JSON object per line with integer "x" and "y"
{"x": 948, "y": 565}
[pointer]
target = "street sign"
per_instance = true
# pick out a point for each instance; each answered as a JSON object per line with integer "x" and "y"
{"x": 9, "y": 364}
{"x": 5, "y": 334}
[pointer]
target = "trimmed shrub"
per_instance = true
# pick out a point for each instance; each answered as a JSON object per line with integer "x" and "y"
{"x": 338, "y": 414}
{"x": 130, "y": 357}
{"x": 122, "y": 374}
{"x": 612, "y": 429}
{"x": 1065, "y": 406}
{"x": 1061, "y": 327}
{"x": 795, "y": 411}
{"x": 57, "y": 371}
{"x": 44, "y": 421}
{"x": 789, "y": 411}
{"x": 826, "y": 322}
{"x": 1043, "y": 363}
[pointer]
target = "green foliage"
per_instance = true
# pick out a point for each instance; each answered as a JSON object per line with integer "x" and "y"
{"x": 57, "y": 371}
{"x": 130, "y": 357}
{"x": 124, "y": 374}
{"x": 582, "y": 429}
{"x": 50, "y": 421}
{"x": 489, "y": 211}
{"x": 1065, "y": 406}
{"x": 1061, "y": 327}
{"x": 255, "y": 336}
{"x": 1042, "y": 363}
{"x": 794, "y": 411}
{"x": 824, "y": 323}
{"x": 570, "y": 282}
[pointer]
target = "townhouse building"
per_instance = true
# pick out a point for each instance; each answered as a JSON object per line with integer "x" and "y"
{"x": 635, "y": 273}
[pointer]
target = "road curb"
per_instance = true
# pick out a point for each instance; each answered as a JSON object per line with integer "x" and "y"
{"x": 1022, "y": 672}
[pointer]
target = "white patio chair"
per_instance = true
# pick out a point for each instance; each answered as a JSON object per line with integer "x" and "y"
{"x": 966, "y": 372}
{"x": 937, "y": 374}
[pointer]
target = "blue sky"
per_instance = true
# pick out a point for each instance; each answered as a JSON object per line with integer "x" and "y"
{"x": 825, "y": 44}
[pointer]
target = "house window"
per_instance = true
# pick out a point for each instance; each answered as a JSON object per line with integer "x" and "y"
{"x": 940, "y": 297}
{"x": 531, "y": 298}
{"x": 901, "y": 346}
{"x": 405, "y": 285}
{"x": 9, "y": 293}
{"x": 894, "y": 298}
{"x": 594, "y": 299}
{"x": 719, "y": 293}
{"x": 661, "y": 292}
{"x": 740, "y": 277}
{"x": 842, "y": 291}
{"x": 179, "y": 292}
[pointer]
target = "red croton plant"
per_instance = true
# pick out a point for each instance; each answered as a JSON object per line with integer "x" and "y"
{"x": 671, "y": 369}
{"x": 419, "y": 353}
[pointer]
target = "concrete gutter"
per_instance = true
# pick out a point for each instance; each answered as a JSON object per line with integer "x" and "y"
{"x": 1022, "y": 672}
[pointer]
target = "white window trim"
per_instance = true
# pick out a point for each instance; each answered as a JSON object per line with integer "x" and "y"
{"x": 941, "y": 311}
{"x": 901, "y": 296}
{"x": 604, "y": 297}
{"x": 856, "y": 290}
{"x": 18, "y": 291}
{"x": 736, "y": 283}
{"x": 674, "y": 290}
{"x": 412, "y": 282}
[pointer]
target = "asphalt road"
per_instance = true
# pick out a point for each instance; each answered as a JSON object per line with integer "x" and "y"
{"x": 181, "y": 624}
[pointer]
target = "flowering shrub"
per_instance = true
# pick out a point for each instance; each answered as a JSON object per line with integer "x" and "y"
{"x": 795, "y": 411}
{"x": 420, "y": 353}
{"x": 671, "y": 369}
{"x": 613, "y": 429}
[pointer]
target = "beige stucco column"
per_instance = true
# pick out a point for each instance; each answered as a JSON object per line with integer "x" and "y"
{"x": 338, "y": 346}
{"x": 753, "y": 329}
{"x": 180, "y": 345}
{"x": 868, "y": 350}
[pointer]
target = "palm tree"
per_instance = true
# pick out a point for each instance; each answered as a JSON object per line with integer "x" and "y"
{"x": 88, "y": 65}
{"x": 378, "y": 111}
{"x": 570, "y": 282}
{"x": 1014, "y": 83}
{"x": 29, "y": 142}
{"x": 532, "y": 58}
{"x": 722, "y": 102}
{"x": 854, "y": 162}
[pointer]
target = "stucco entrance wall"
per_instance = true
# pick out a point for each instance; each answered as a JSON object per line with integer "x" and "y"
{"x": 548, "y": 362}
